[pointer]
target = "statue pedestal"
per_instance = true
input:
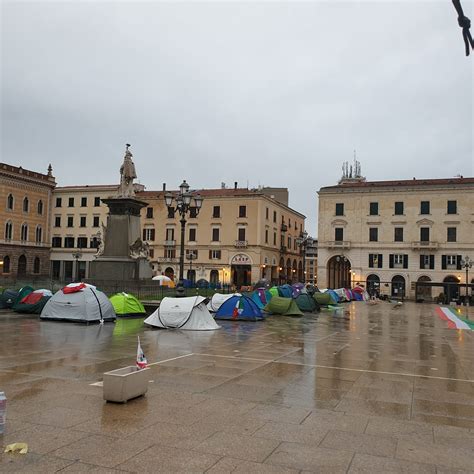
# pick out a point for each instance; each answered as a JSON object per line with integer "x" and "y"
{"x": 123, "y": 230}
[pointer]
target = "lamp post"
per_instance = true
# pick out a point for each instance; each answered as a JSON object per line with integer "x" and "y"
{"x": 303, "y": 241}
{"x": 181, "y": 203}
{"x": 467, "y": 263}
{"x": 191, "y": 256}
{"x": 77, "y": 256}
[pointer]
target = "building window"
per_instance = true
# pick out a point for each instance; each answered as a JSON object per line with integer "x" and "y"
{"x": 375, "y": 260}
{"x": 267, "y": 212}
{"x": 10, "y": 202}
{"x": 399, "y": 211}
{"x": 215, "y": 235}
{"x": 339, "y": 209}
{"x": 170, "y": 213}
{"x": 24, "y": 232}
{"x": 398, "y": 261}
{"x": 216, "y": 211}
{"x": 8, "y": 231}
{"x": 71, "y": 202}
{"x": 192, "y": 212}
{"x": 39, "y": 234}
{"x": 339, "y": 234}
{"x": 374, "y": 209}
{"x": 6, "y": 264}
{"x": 69, "y": 242}
{"x": 451, "y": 234}
{"x": 451, "y": 260}
{"x": 425, "y": 207}
{"x": 214, "y": 254}
{"x": 241, "y": 234}
{"x": 427, "y": 262}
{"x": 274, "y": 238}
{"x": 97, "y": 201}
{"x": 242, "y": 211}
{"x": 192, "y": 235}
{"x": 424, "y": 234}
{"x": 398, "y": 237}
{"x": 452, "y": 207}
{"x": 170, "y": 234}
{"x": 289, "y": 222}
{"x": 170, "y": 253}
{"x": 192, "y": 252}
{"x": 82, "y": 242}
{"x": 59, "y": 202}
{"x": 95, "y": 221}
{"x": 83, "y": 221}
{"x": 56, "y": 242}
{"x": 83, "y": 201}
{"x": 70, "y": 221}
{"x": 149, "y": 235}
{"x": 289, "y": 242}
{"x": 36, "y": 265}
{"x": 40, "y": 207}
{"x": 373, "y": 234}
{"x": 94, "y": 243}
{"x": 274, "y": 216}
{"x": 149, "y": 213}
{"x": 266, "y": 236}
{"x": 57, "y": 221}
{"x": 26, "y": 205}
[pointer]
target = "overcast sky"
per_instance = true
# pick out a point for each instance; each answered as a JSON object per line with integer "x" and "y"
{"x": 263, "y": 93}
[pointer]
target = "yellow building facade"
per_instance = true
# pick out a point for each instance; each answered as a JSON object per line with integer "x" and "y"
{"x": 389, "y": 235}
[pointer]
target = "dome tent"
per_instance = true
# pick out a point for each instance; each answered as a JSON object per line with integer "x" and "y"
{"x": 33, "y": 303}
{"x": 307, "y": 303}
{"x": 283, "y": 306}
{"x": 188, "y": 313}
{"x": 323, "y": 299}
{"x": 240, "y": 307}
{"x": 80, "y": 303}
{"x": 217, "y": 300}
{"x": 126, "y": 304}
{"x": 8, "y": 298}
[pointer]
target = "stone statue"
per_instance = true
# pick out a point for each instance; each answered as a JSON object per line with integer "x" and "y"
{"x": 127, "y": 175}
{"x": 139, "y": 249}
{"x": 101, "y": 239}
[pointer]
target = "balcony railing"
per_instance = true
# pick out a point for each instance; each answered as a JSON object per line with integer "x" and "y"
{"x": 241, "y": 244}
{"x": 339, "y": 244}
{"x": 424, "y": 244}
{"x": 167, "y": 260}
{"x": 283, "y": 249}
{"x": 170, "y": 243}
{"x": 284, "y": 227}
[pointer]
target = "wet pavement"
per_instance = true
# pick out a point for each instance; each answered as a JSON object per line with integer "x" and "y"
{"x": 367, "y": 389}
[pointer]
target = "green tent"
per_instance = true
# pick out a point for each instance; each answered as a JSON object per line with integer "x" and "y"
{"x": 324, "y": 299}
{"x": 274, "y": 291}
{"x": 126, "y": 304}
{"x": 25, "y": 291}
{"x": 307, "y": 303}
{"x": 283, "y": 306}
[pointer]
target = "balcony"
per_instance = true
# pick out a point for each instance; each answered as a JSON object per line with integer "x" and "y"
{"x": 242, "y": 244}
{"x": 167, "y": 260}
{"x": 424, "y": 244}
{"x": 283, "y": 249}
{"x": 170, "y": 243}
{"x": 284, "y": 227}
{"x": 339, "y": 244}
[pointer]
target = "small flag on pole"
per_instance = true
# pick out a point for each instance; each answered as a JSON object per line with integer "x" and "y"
{"x": 142, "y": 363}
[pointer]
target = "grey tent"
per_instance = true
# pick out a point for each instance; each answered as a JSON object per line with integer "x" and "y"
{"x": 86, "y": 304}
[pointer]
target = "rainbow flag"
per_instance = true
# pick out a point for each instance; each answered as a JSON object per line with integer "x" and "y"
{"x": 451, "y": 316}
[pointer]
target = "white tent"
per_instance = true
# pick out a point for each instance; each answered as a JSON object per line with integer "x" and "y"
{"x": 182, "y": 313}
{"x": 218, "y": 300}
{"x": 85, "y": 305}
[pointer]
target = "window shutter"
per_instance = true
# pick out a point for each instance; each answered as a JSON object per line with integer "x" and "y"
{"x": 210, "y": 254}
{"x": 380, "y": 260}
{"x": 144, "y": 235}
{"x": 443, "y": 262}
{"x": 459, "y": 267}
{"x": 431, "y": 262}
{"x": 405, "y": 261}
{"x": 371, "y": 260}
{"x": 422, "y": 262}
{"x": 390, "y": 260}
{"x": 152, "y": 237}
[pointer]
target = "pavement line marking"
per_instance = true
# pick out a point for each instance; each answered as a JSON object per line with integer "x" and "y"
{"x": 169, "y": 360}
{"x": 338, "y": 368}
{"x": 97, "y": 384}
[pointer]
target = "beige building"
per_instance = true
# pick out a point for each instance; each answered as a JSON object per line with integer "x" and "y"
{"x": 311, "y": 265}
{"x": 25, "y": 199}
{"x": 390, "y": 235}
{"x": 239, "y": 236}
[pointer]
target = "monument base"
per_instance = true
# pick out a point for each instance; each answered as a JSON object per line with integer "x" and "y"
{"x": 120, "y": 268}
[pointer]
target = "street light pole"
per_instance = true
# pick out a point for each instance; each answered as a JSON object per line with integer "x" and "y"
{"x": 77, "y": 256}
{"x": 303, "y": 241}
{"x": 467, "y": 263}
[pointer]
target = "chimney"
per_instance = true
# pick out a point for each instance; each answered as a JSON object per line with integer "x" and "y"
{"x": 235, "y": 184}
{"x": 164, "y": 186}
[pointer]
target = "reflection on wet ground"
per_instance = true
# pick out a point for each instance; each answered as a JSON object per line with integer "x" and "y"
{"x": 369, "y": 389}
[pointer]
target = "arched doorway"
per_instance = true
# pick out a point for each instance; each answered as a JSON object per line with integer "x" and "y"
{"x": 373, "y": 285}
{"x": 241, "y": 268}
{"x": 169, "y": 272}
{"x": 294, "y": 272}
{"x": 214, "y": 277}
{"x": 288, "y": 270}
{"x": 451, "y": 289}
{"x": 339, "y": 272}
{"x": 191, "y": 276}
{"x": 21, "y": 266}
{"x": 398, "y": 286}
{"x": 424, "y": 292}
{"x": 281, "y": 271}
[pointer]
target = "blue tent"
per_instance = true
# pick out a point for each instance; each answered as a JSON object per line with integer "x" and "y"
{"x": 240, "y": 308}
{"x": 334, "y": 295}
{"x": 286, "y": 291}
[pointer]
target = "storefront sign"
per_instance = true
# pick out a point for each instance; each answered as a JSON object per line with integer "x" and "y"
{"x": 241, "y": 259}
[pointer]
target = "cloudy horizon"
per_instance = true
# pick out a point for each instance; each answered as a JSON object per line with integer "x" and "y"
{"x": 262, "y": 93}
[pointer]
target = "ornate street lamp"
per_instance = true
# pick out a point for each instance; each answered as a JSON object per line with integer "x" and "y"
{"x": 467, "y": 264}
{"x": 182, "y": 205}
{"x": 303, "y": 241}
{"x": 191, "y": 256}
{"x": 77, "y": 256}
